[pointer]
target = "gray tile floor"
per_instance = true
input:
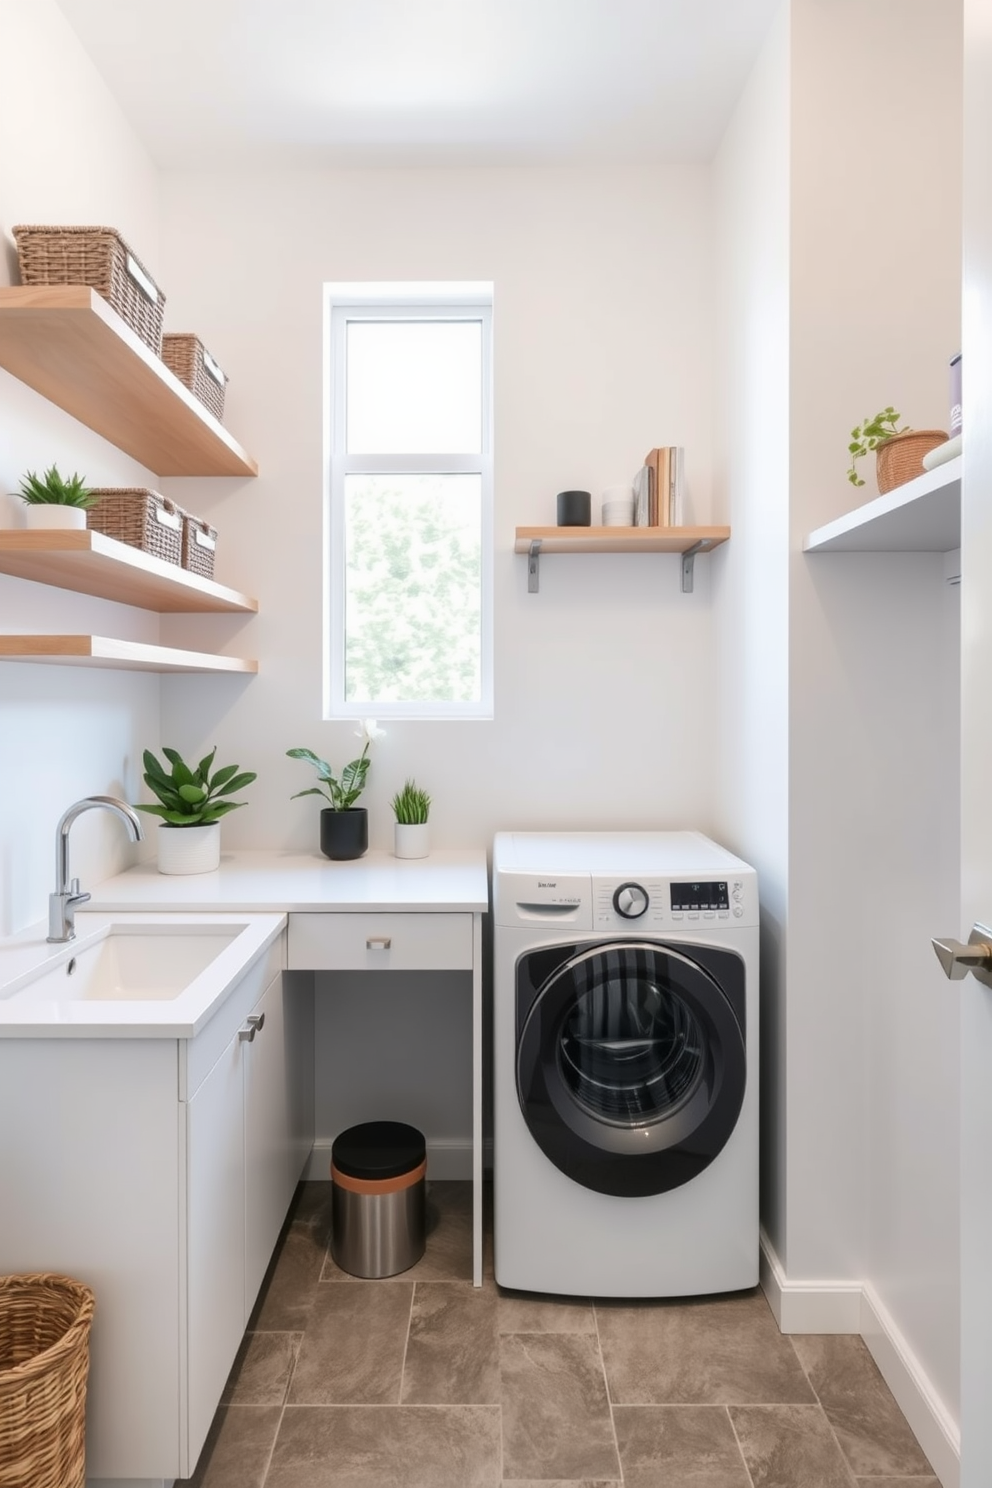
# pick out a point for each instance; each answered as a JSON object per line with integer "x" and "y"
{"x": 422, "y": 1381}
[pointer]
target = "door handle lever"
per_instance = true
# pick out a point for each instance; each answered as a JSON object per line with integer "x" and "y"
{"x": 957, "y": 959}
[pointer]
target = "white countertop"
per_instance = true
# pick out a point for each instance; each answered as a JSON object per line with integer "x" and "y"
{"x": 449, "y": 882}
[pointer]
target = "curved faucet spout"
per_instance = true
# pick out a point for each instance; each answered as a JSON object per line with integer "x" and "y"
{"x": 62, "y": 905}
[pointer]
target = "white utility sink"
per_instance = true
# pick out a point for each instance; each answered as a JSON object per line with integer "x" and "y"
{"x": 133, "y": 963}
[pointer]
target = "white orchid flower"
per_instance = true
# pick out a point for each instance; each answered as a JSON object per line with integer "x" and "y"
{"x": 368, "y": 731}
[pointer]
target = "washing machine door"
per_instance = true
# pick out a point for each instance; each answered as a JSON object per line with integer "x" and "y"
{"x": 631, "y": 1061}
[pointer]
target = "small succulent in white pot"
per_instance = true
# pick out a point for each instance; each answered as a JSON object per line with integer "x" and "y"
{"x": 411, "y": 807}
{"x": 50, "y": 500}
{"x": 192, "y": 804}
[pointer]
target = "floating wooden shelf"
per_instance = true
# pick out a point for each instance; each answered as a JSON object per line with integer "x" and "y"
{"x": 104, "y": 651}
{"x": 90, "y": 563}
{"x": 536, "y": 541}
{"x": 69, "y": 345}
{"x": 922, "y": 516}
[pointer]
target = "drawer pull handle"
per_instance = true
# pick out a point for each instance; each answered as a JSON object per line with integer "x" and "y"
{"x": 378, "y": 943}
{"x": 254, "y": 1023}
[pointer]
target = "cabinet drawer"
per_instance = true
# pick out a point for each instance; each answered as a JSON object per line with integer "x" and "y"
{"x": 380, "y": 942}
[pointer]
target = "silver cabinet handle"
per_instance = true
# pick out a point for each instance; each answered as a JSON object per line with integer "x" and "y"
{"x": 254, "y": 1023}
{"x": 378, "y": 943}
{"x": 957, "y": 959}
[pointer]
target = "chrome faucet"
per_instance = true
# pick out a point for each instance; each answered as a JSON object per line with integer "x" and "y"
{"x": 62, "y": 905}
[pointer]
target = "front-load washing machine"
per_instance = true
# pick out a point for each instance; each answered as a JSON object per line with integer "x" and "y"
{"x": 625, "y": 1053}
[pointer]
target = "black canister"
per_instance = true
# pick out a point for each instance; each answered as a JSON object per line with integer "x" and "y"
{"x": 574, "y": 508}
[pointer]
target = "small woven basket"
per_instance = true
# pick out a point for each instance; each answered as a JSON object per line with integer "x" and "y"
{"x": 199, "y": 546}
{"x": 900, "y": 459}
{"x": 44, "y": 1361}
{"x": 141, "y": 518}
{"x": 99, "y": 258}
{"x": 187, "y": 357}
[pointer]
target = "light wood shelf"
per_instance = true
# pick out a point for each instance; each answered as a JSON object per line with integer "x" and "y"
{"x": 69, "y": 345}
{"x": 688, "y": 541}
{"x": 105, "y": 651}
{"x": 90, "y": 563}
{"x": 620, "y": 539}
{"x": 922, "y": 516}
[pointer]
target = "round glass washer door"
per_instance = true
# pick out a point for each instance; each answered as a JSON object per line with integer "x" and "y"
{"x": 631, "y": 1068}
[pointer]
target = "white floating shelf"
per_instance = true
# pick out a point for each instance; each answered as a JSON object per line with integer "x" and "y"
{"x": 923, "y": 516}
{"x": 105, "y": 651}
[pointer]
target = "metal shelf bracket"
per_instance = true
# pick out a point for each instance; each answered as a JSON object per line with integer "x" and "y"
{"x": 533, "y": 573}
{"x": 688, "y": 567}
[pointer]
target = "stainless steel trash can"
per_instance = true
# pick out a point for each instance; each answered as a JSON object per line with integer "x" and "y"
{"x": 377, "y": 1202}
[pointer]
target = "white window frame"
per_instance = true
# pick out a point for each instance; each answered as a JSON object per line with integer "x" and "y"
{"x": 417, "y": 301}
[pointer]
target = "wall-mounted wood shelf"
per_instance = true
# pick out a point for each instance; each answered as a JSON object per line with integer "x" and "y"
{"x": 688, "y": 541}
{"x": 90, "y": 563}
{"x": 922, "y": 516}
{"x": 105, "y": 651}
{"x": 69, "y": 345}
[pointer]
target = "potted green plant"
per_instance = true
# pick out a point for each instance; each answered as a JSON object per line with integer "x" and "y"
{"x": 53, "y": 501}
{"x": 411, "y": 807}
{"x": 898, "y": 452}
{"x": 344, "y": 827}
{"x": 192, "y": 802}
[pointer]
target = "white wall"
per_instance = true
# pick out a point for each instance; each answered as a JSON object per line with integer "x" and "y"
{"x": 604, "y": 681}
{"x": 751, "y": 193}
{"x": 66, "y": 155}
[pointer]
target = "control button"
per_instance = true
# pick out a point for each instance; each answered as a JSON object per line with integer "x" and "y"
{"x": 738, "y": 911}
{"x": 677, "y": 914}
{"x": 709, "y": 914}
{"x": 724, "y": 914}
{"x": 630, "y": 901}
{"x": 694, "y": 914}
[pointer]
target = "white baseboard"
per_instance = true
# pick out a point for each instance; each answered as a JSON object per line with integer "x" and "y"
{"x": 854, "y": 1307}
{"x": 446, "y": 1161}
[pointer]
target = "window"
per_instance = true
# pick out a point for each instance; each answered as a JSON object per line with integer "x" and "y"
{"x": 408, "y": 570}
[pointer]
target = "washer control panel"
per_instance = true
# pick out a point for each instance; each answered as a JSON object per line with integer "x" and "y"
{"x": 675, "y": 903}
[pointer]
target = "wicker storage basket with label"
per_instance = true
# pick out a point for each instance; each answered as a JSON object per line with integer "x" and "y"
{"x": 141, "y": 518}
{"x": 199, "y": 546}
{"x": 44, "y": 1362}
{"x": 187, "y": 357}
{"x": 100, "y": 258}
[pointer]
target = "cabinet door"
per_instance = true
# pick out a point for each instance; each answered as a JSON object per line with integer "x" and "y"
{"x": 215, "y": 1136}
{"x": 278, "y": 1128}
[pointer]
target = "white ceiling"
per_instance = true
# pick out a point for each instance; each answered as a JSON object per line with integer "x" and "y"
{"x": 426, "y": 81}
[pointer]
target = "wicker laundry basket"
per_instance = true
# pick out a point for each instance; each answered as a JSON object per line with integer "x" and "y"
{"x": 139, "y": 517}
{"x": 44, "y": 1361}
{"x": 100, "y": 258}
{"x": 187, "y": 357}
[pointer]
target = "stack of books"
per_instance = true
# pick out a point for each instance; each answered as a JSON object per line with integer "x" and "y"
{"x": 659, "y": 488}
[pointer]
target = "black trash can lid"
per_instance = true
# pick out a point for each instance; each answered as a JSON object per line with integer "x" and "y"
{"x": 378, "y": 1149}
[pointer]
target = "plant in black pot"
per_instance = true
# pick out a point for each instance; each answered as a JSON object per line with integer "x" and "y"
{"x": 192, "y": 804}
{"x": 344, "y": 827}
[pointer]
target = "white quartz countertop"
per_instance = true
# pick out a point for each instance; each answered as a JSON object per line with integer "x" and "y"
{"x": 451, "y": 881}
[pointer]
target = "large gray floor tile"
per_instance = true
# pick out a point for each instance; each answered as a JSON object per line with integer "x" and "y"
{"x": 691, "y": 1446}
{"x": 531, "y": 1312}
{"x": 387, "y": 1447}
{"x": 237, "y": 1450}
{"x": 448, "y": 1252}
{"x": 452, "y": 1353}
{"x": 790, "y": 1446}
{"x": 352, "y": 1352}
{"x": 261, "y": 1371}
{"x": 712, "y": 1351}
{"x": 556, "y": 1415}
{"x": 870, "y": 1428}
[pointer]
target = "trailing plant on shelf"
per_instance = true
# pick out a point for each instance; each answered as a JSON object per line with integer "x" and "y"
{"x": 340, "y": 793}
{"x": 411, "y": 805}
{"x": 52, "y": 489}
{"x": 869, "y": 435}
{"x": 192, "y": 797}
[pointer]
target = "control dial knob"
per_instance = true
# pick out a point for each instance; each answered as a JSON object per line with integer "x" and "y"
{"x": 630, "y": 900}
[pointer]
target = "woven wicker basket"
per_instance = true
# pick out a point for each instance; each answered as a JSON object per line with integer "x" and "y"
{"x": 139, "y": 517}
{"x": 44, "y": 1360}
{"x": 189, "y": 359}
{"x": 100, "y": 258}
{"x": 900, "y": 459}
{"x": 199, "y": 546}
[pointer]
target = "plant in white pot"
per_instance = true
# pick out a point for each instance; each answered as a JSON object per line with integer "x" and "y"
{"x": 411, "y": 834}
{"x": 344, "y": 827}
{"x": 53, "y": 501}
{"x": 192, "y": 804}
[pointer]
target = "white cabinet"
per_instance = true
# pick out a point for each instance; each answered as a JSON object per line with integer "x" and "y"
{"x": 159, "y": 1171}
